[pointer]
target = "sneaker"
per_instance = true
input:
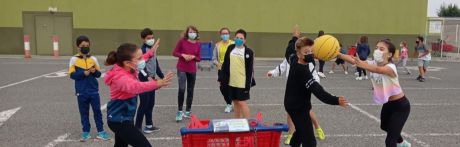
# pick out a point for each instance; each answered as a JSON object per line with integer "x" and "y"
{"x": 150, "y": 129}
{"x": 346, "y": 72}
{"x": 288, "y": 139}
{"x": 321, "y": 74}
{"x": 85, "y": 136}
{"x": 331, "y": 72}
{"x": 403, "y": 144}
{"x": 356, "y": 74}
{"x": 228, "y": 109}
{"x": 418, "y": 78}
{"x": 366, "y": 77}
{"x": 359, "y": 78}
{"x": 188, "y": 114}
{"x": 103, "y": 135}
{"x": 179, "y": 116}
{"x": 320, "y": 134}
{"x": 408, "y": 73}
{"x": 421, "y": 80}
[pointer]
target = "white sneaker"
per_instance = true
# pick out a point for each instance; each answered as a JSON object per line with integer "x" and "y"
{"x": 403, "y": 144}
{"x": 331, "y": 72}
{"x": 228, "y": 108}
{"x": 366, "y": 77}
{"x": 359, "y": 78}
{"x": 356, "y": 74}
{"x": 320, "y": 74}
{"x": 346, "y": 72}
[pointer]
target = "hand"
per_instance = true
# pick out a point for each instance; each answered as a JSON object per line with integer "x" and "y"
{"x": 92, "y": 70}
{"x": 166, "y": 81}
{"x": 150, "y": 79}
{"x": 86, "y": 72}
{"x": 269, "y": 75}
{"x": 155, "y": 46}
{"x": 296, "y": 31}
{"x": 192, "y": 57}
{"x": 219, "y": 66}
{"x": 186, "y": 57}
{"x": 343, "y": 102}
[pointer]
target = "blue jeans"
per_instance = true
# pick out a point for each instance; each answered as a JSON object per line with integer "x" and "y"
{"x": 147, "y": 102}
{"x": 84, "y": 102}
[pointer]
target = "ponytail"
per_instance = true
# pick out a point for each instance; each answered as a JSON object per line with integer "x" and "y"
{"x": 124, "y": 53}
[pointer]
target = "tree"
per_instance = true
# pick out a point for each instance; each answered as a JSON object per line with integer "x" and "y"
{"x": 450, "y": 10}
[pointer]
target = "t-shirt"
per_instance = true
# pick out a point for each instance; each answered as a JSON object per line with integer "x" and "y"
{"x": 422, "y": 49}
{"x": 222, "y": 49}
{"x": 237, "y": 68}
{"x": 384, "y": 85}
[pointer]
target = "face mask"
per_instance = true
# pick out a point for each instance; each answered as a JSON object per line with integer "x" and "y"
{"x": 239, "y": 42}
{"x": 84, "y": 50}
{"x": 192, "y": 36}
{"x": 225, "y": 37}
{"x": 378, "y": 55}
{"x": 309, "y": 58}
{"x": 150, "y": 42}
{"x": 141, "y": 65}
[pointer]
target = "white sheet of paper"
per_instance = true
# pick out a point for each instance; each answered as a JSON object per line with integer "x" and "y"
{"x": 230, "y": 125}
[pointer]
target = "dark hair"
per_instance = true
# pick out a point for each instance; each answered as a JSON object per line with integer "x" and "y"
{"x": 303, "y": 41}
{"x": 241, "y": 31}
{"x": 391, "y": 48}
{"x": 124, "y": 53}
{"x": 363, "y": 39}
{"x": 404, "y": 43}
{"x": 224, "y": 28}
{"x": 193, "y": 28}
{"x": 81, "y": 39}
{"x": 420, "y": 38}
{"x": 146, "y": 32}
{"x": 320, "y": 33}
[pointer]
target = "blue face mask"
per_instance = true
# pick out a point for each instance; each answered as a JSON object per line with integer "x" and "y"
{"x": 141, "y": 65}
{"x": 239, "y": 42}
{"x": 225, "y": 37}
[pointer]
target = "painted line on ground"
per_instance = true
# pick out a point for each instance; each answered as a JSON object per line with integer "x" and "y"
{"x": 30, "y": 79}
{"x": 327, "y": 88}
{"x": 280, "y": 104}
{"x": 407, "y": 135}
{"x": 5, "y": 115}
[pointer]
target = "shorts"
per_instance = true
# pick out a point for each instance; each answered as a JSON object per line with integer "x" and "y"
{"x": 423, "y": 63}
{"x": 339, "y": 61}
{"x": 239, "y": 94}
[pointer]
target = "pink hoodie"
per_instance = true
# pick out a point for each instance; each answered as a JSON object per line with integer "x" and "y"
{"x": 124, "y": 84}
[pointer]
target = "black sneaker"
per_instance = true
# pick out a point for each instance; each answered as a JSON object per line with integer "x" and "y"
{"x": 422, "y": 80}
{"x": 152, "y": 129}
{"x": 419, "y": 77}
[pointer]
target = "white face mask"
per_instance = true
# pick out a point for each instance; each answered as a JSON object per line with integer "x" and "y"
{"x": 192, "y": 36}
{"x": 378, "y": 55}
{"x": 150, "y": 42}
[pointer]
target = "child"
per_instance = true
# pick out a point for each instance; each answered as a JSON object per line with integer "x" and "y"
{"x": 84, "y": 69}
{"x": 387, "y": 91}
{"x": 218, "y": 59}
{"x": 339, "y": 61}
{"x": 238, "y": 73}
{"x": 124, "y": 88}
{"x": 300, "y": 85}
{"x": 404, "y": 55}
{"x": 284, "y": 68}
{"x": 151, "y": 70}
{"x": 188, "y": 53}
{"x": 363, "y": 52}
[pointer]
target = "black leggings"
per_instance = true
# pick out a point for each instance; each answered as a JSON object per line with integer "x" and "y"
{"x": 303, "y": 134}
{"x": 361, "y": 71}
{"x": 126, "y": 134}
{"x": 189, "y": 79}
{"x": 223, "y": 88}
{"x": 393, "y": 117}
{"x": 321, "y": 65}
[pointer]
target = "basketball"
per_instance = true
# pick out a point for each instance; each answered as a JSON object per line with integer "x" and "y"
{"x": 326, "y": 47}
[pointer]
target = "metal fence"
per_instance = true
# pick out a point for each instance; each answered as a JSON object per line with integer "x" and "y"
{"x": 443, "y": 35}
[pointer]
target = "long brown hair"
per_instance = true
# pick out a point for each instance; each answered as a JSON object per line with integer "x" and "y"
{"x": 192, "y": 28}
{"x": 124, "y": 53}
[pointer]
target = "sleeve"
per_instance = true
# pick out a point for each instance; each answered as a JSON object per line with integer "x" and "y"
{"x": 159, "y": 72}
{"x": 280, "y": 69}
{"x": 198, "y": 53}
{"x": 319, "y": 91}
{"x": 132, "y": 86}
{"x": 147, "y": 55}
{"x": 393, "y": 67}
{"x": 98, "y": 73}
{"x": 215, "y": 57}
{"x": 312, "y": 69}
{"x": 178, "y": 50}
{"x": 74, "y": 73}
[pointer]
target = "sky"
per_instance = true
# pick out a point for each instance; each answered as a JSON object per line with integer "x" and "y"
{"x": 434, "y": 5}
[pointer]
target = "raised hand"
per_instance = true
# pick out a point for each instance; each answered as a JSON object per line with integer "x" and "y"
{"x": 155, "y": 46}
{"x": 296, "y": 31}
{"x": 166, "y": 81}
